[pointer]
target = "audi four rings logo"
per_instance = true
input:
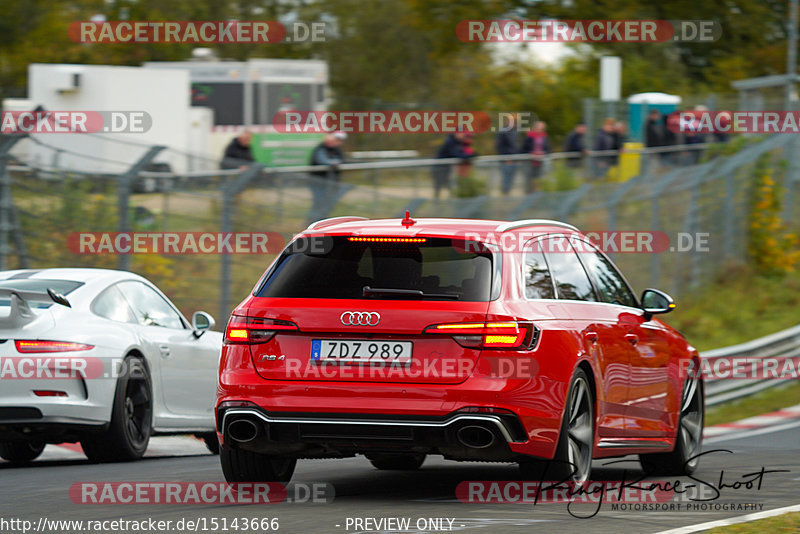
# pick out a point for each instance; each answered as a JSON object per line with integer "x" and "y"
{"x": 352, "y": 318}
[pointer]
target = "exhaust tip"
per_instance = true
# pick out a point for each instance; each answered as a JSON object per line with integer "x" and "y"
{"x": 475, "y": 437}
{"x": 242, "y": 430}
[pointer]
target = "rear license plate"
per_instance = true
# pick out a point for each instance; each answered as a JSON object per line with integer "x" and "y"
{"x": 361, "y": 351}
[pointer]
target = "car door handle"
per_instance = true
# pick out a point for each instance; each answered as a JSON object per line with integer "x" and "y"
{"x": 164, "y": 351}
{"x": 633, "y": 339}
{"x": 591, "y": 336}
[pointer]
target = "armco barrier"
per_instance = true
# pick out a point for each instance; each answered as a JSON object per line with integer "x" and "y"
{"x": 780, "y": 346}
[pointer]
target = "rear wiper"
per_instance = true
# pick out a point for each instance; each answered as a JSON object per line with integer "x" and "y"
{"x": 411, "y": 293}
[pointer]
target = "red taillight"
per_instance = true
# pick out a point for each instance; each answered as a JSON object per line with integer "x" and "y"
{"x": 29, "y": 346}
{"x": 489, "y": 335}
{"x": 252, "y": 330}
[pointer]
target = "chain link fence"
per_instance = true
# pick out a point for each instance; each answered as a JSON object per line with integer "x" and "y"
{"x": 687, "y": 192}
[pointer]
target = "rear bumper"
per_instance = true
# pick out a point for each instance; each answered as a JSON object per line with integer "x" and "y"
{"x": 459, "y": 435}
{"x": 27, "y": 423}
{"x": 83, "y": 400}
{"x": 424, "y": 418}
{"x": 85, "y": 409}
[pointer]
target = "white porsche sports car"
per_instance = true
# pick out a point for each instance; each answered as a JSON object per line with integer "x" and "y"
{"x": 103, "y": 358}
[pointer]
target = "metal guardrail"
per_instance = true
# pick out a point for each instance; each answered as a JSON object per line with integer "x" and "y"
{"x": 779, "y": 347}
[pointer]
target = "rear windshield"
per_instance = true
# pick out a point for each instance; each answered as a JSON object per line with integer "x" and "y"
{"x": 436, "y": 269}
{"x": 64, "y": 287}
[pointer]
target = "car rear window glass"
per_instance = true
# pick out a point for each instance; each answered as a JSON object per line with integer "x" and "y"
{"x": 436, "y": 269}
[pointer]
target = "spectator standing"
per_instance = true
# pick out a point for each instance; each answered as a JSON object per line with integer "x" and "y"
{"x": 456, "y": 145}
{"x": 575, "y": 145}
{"x": 507, "y": 143}
{"x": 606, "y": 140}
{"x": 238, "y": 154}
{"x": 694, "y": 137}
{"x": 654, "y": 134}
{"x": 537, "y": 145}
{"x": 329, "y": 152}
{"x": 620, "y": 135}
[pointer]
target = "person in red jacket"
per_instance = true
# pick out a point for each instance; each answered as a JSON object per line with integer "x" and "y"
{"x": 537, "y": 145}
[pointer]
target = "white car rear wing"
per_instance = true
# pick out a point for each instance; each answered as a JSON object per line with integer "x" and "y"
{"x": 21, "y": 312}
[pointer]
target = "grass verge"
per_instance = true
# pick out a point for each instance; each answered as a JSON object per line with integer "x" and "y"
{"x": 767, "y": 401}
{"x": 782, "y": 523}
{"x": 740, "y": 306}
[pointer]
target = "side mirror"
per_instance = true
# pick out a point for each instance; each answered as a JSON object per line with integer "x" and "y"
{"x": 654, "y": 302}
{"x": 201, "y": 322}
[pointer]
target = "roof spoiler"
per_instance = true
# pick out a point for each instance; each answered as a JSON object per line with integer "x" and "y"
{"x": 21, "y": 311}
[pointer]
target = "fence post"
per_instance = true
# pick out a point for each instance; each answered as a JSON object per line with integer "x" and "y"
{"x": 277, "y": 181}
{"x": 376, "y": 193}
{"x": 691, "y": 228}
{"x": 655, "y": 258}
{"x": 230, "y": 189}
{"x": 729, "y": 226}
{"x": 124, "y": 183}
{"x": 791, "y": 180}
{"x": 613, "y": 204}
{"x": 7, "y": 217}
{"x": 657, "y": 193}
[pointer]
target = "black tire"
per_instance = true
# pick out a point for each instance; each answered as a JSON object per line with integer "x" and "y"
{"x": 245, "y": 466}
{"x": 573, "y": 458}
{"x": 21, "y": 452}
{"x": 131, "y": 418}
{"x": 396, "y": 462}
{"x": 689, "y": 441}
{"x": 211, "y": 441}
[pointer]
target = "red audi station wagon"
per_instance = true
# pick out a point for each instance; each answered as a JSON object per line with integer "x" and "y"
{"x": 471, "y": 339}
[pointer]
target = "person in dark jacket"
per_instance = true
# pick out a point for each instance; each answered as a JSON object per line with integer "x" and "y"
{"x": 457, "y": 145}
{"x": 654, "y": 134}
{"x": 606, "y": 140}
{"x": 576, "y": 145}
{"x": 537, "y": 145}
{"x": 507, "y": 143}
{"x": 329, "y": 152}
{"x": 237, "y": 153}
